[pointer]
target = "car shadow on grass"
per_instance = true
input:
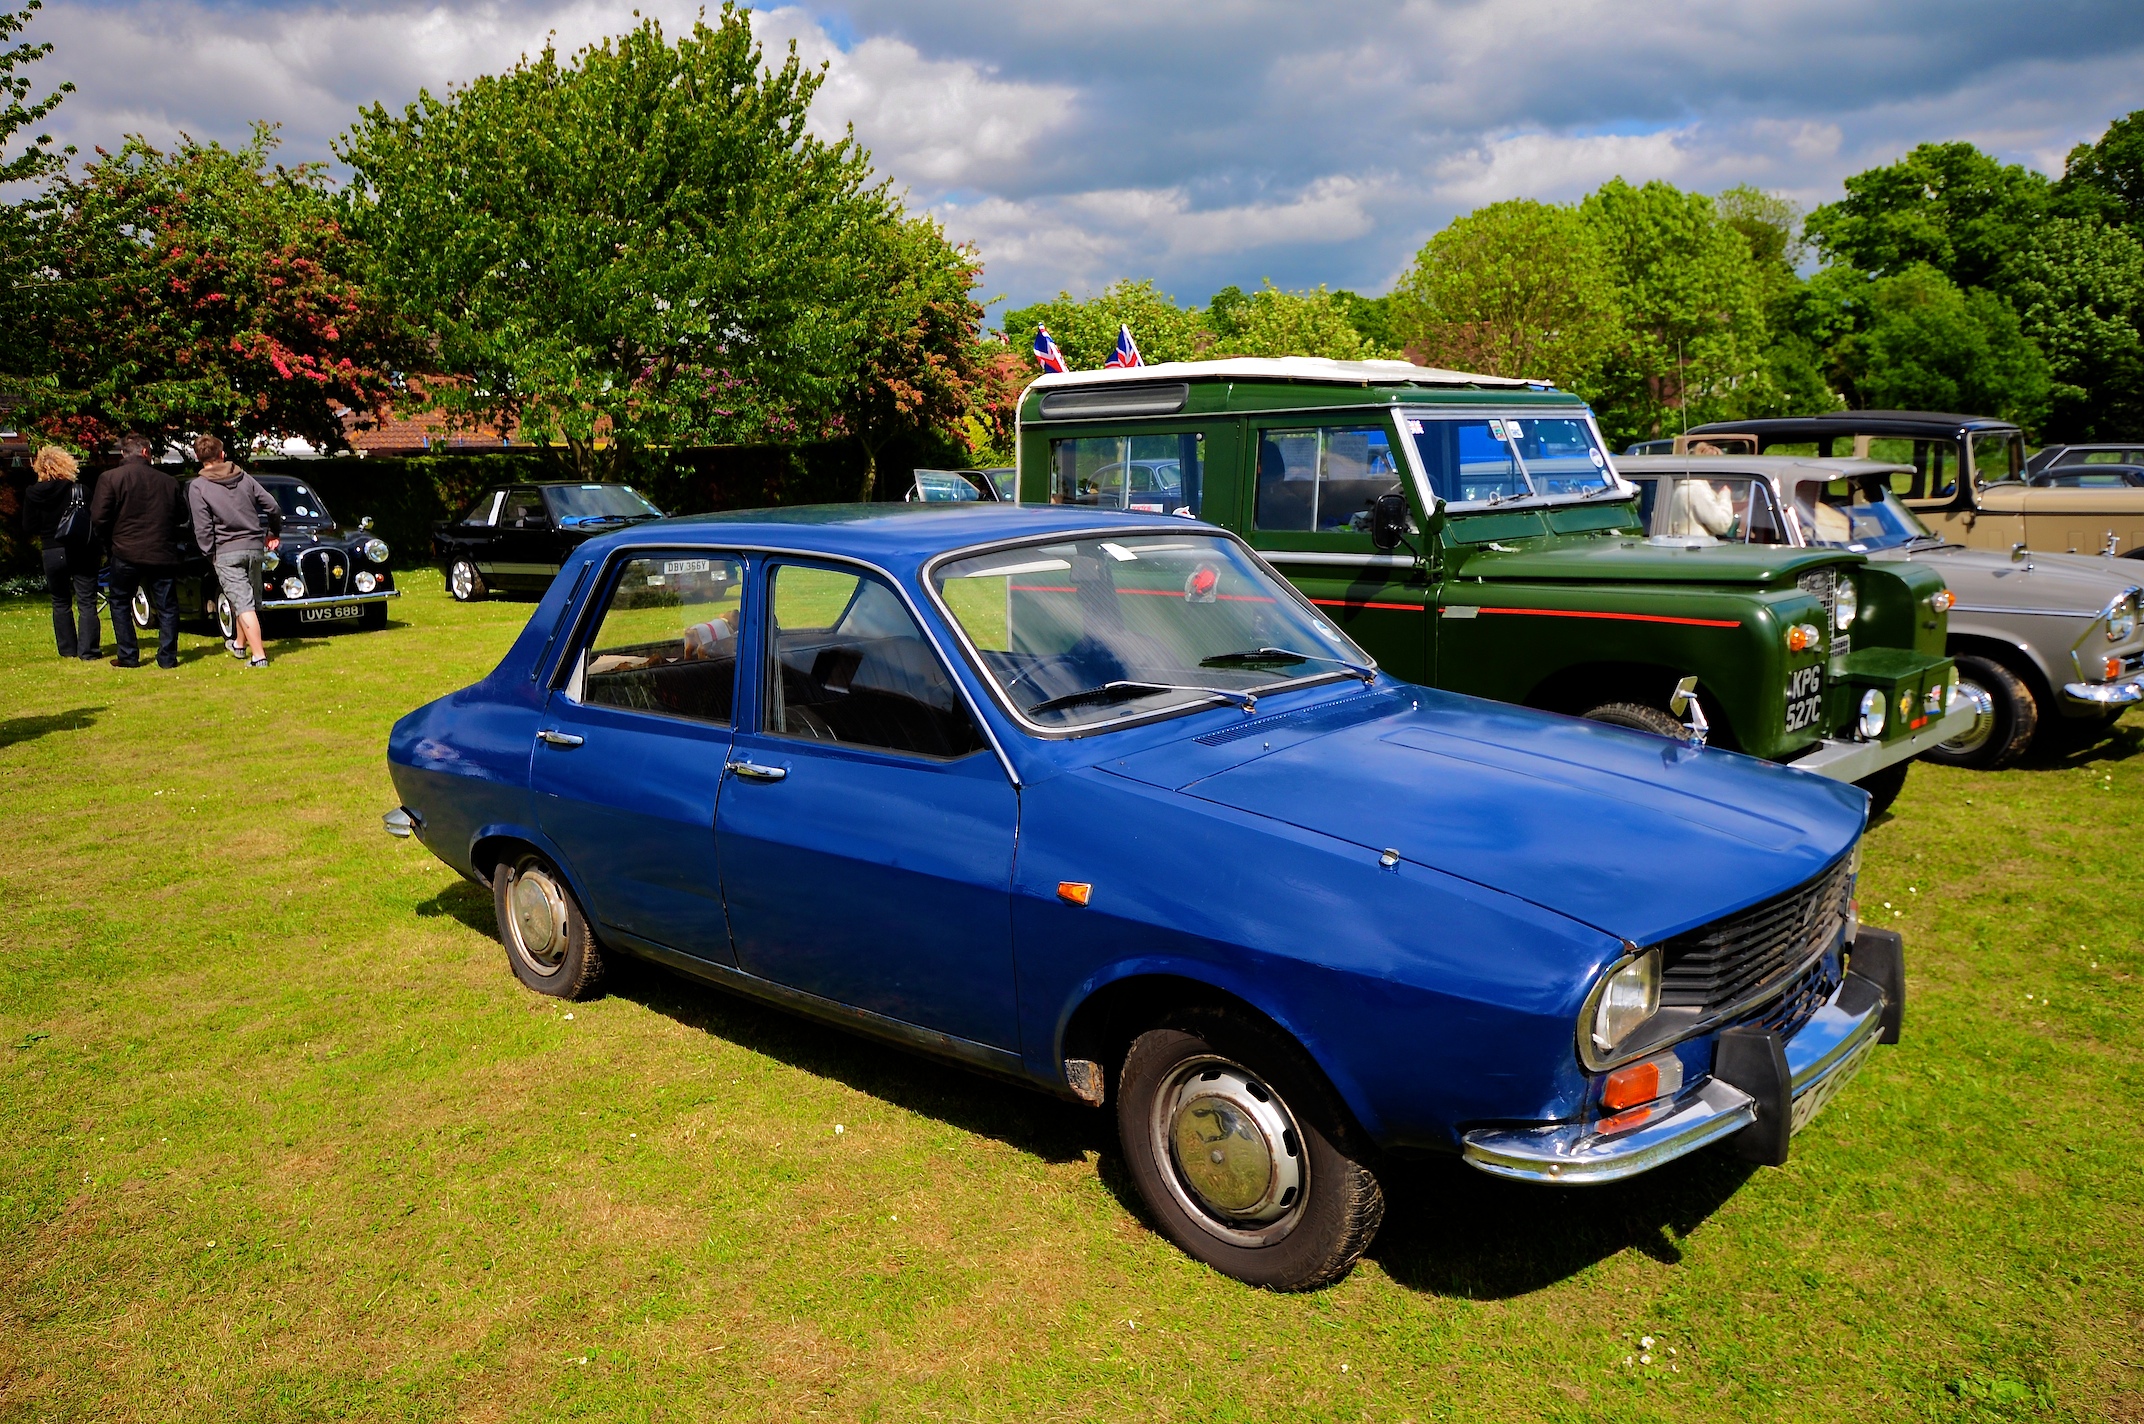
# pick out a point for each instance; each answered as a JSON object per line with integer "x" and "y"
{"x": 1021, "y": 1118}
{"x": 2066, "y": 751}
{"x": 29, "y": 729}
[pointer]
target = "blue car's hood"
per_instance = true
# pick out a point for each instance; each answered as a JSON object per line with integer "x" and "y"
{"x": 1639, "y": 837}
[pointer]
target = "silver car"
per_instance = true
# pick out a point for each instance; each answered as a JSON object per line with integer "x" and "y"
{"x": 2043, "y": 642}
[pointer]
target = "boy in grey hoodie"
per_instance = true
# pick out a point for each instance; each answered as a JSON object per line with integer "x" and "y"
{"x": 235, "y": 522}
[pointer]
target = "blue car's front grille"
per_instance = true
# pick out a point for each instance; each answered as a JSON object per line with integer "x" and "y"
{"x": 1786, "y": 1014}
{"x": 1716, "y": 966}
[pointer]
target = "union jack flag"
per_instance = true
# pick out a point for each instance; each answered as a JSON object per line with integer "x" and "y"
{"x": 1127, "y": 352}
{"x": 1047, "y": 353}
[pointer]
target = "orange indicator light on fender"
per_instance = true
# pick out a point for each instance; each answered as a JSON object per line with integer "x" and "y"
{"x": 1802, "y": 637}
{"x": 1074, "y": 892}
{"x": 1636, "y": 1083}
{"x": 2114, "y": 668}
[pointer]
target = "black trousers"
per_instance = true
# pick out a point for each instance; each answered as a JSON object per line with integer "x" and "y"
{"x": 71, "y": 578}
{"x": 161, "y": 580}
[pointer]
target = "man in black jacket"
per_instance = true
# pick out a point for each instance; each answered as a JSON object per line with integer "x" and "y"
{"x": 136, "y": 512}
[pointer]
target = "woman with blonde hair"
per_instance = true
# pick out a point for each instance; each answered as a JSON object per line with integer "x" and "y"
{"x": 56, "y": 510}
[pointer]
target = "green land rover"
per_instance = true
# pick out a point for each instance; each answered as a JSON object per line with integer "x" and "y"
{"x": 1472, "y": 534}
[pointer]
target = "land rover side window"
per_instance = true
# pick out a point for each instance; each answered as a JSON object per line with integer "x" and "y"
{"x": 846, "y": 663}
{"x": 667, "y": 641}
{"x": 1934, "y": 462}
{"x": 1998, "y": 457}
{"x": 1723, "y": 509}
{"x": 1154, "y": 474}
{"x": 1323, "y": 480}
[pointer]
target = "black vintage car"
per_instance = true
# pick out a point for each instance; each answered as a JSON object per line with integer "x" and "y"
{"x": 513, "y": 539}
{"x": 321, "y": 576}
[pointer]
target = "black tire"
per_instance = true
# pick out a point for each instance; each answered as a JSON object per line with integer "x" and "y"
{"x": 373, "y": 619}
{"x": 2009, "y": 716}
{"x": 1314, "y": 1212}
{"x": 465, "y": 583}
{"x": 548, "y": 943}
{"x": 1639, "y": 718}
{"x": 1883, "y": 786}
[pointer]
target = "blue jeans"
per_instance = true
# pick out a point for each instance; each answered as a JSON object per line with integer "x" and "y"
{"x": 161, "y": 580}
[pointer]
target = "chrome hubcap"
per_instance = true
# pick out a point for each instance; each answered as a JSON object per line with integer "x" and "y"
{"x": 1975, "y": 736}
{"x": 1235, "y": 1157}
{"x": 225, "y": 618}
{"x": 141, "y": 608}
{"x": 464, "y": 581}
{"x": 538, "y": 915}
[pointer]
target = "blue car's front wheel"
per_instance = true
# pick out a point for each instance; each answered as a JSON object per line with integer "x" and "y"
{"x": 1235, "y": 1143}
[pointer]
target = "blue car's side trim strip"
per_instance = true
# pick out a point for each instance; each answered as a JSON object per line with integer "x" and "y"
{"x": 962, "y": 1050}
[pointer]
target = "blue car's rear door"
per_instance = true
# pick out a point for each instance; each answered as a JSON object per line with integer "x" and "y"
{"x": 866, "y": 836}
{"x": 630, "y": 754}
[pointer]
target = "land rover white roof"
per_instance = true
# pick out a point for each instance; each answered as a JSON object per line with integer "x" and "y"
{"x": 1283, "y": 368}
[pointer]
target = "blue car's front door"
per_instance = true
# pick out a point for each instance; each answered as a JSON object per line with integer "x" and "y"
{"x": 867, "y": 833}
{"x": 629, "y": 759}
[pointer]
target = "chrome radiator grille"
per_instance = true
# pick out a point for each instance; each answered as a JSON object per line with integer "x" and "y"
{"x": 1716, "y": 966}
{"x": 318, "y": 568}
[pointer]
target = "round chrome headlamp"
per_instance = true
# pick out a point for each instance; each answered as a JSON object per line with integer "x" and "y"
{"x": 1873, "y": 713}
{"x": 375, "y": 550}
{"x": 1846, "y": 605}
{"x": 1623, "y": 1001}
{"x": 2122, "y": 620}
{"x": 365, "y": 581}
{"x": 294, "y": 587}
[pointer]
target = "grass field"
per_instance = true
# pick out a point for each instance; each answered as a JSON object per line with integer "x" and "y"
{"x": 282, "y": 1139}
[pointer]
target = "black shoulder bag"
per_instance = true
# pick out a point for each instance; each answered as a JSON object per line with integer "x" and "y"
{"x": 73, "y": 522}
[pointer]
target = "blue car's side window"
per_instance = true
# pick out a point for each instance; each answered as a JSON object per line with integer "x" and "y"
{"x": 666, "y": 640}
{"x": 846, "y": 663}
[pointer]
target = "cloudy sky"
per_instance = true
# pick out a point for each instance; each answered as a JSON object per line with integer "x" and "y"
{"x": 1204, "y": 142}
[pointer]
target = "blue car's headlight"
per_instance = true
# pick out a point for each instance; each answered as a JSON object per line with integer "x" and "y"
{"x": 1627, "y": 996}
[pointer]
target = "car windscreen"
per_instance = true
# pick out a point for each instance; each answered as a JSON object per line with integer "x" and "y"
{"x": 1860, "y": 515}
{"x": 1085, "y": 632}
{"x": 1492, "y": 459}
{"x": 596, "y": 504}
{"x": 298, "y": 502}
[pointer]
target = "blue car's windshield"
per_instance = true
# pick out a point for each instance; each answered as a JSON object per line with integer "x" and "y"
{"x": 1081, "y": 633}
{"x": 583, "y": 504}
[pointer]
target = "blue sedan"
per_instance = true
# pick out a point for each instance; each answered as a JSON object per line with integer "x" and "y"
{"x": 1097, "y": 802}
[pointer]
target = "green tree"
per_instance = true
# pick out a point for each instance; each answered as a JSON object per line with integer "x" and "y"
{"x": 1271, "y": 322}
{"x": 1086, "y": 331}
{"x": 1944, "y": 205}
{"x": 1793, "y": 379}
{"x": 2108, "y": 176}
{"x": 1518, "y": 288}
{"x": 198, "y": 290}
{"x": 1372, "y": 316}
{"x": 17, "y": 111}
{"x": 922, "y": 365}
{"x": 1920, "y": 343}
{"x": 1691, "y": 295}
{"x": 644, "y": 245}
{"x": 2079, "y": 292}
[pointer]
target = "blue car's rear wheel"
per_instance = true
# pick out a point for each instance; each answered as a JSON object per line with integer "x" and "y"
{"x": 1241, "y": 1154}
{"x": 548, "y": 944}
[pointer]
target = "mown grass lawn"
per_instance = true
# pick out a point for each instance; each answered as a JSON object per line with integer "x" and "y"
{"x": 281, "y": 1138}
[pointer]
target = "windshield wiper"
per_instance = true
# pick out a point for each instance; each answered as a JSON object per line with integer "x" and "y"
{"x": 1123, "y": 688}
{"x": 1251, "y": 657}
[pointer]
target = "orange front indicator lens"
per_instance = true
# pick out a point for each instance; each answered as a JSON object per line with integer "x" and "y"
{"x": 1943, "y": 601}
{"x": 1802, "y": 637}
{"x": 2114, "y": 669}
{"x": 1637, "y": 1083}
{"x": 1074, "y": 892}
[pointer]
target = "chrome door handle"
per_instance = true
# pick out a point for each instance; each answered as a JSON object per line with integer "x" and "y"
{"x": 753, "y": 771}
{"x": 559, "y": 739}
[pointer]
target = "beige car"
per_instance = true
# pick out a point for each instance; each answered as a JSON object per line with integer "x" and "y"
{"x": 1965, "y": 477}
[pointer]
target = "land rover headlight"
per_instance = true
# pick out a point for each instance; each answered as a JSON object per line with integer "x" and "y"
{"x": 2122, "y": 619}
{"x": 1873, "y": 713}
{"x": 1624, "y": 1001}
{"x": 375, "y": 550}
{"x": 294, "y": 587}
{"x": 1846, "y": 605}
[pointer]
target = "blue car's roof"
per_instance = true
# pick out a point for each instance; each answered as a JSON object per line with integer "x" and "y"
{"x": 894, "y": 534}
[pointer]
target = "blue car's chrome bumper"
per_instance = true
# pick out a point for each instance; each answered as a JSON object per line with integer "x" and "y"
{"x": 1821, "y": 1058}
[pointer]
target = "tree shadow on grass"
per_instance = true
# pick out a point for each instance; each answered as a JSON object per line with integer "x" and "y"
{"x": 1453, "y": 1231}
{"x": 29, "y": 729}
{"x": 1032, "y": 1122}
